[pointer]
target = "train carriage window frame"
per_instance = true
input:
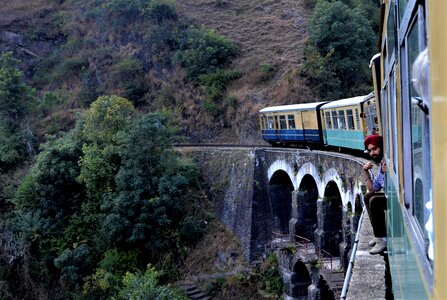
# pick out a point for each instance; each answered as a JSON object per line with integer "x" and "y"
{"x": 282, "y": 122}
{"x": 291, "y": 121}
{"x": 393, "y": 120}
{"x": 417, "y": 177}
{"x": 328, "y": 119}
{"x": 357, "y": 118}
{"x": 270, "y": 123}
{"x": 350, "y": 119}
{"x": 402, "y": 4}
{"x": 391, "y": 30}
{"x": 341, "y": 120}
{"x": 334, "y": 119}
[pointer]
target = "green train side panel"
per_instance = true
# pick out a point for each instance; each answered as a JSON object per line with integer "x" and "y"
{"x": 405, "y": 275}
{"x": 344, "y": 138}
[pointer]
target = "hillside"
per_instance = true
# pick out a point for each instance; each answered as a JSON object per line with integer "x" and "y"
{"x": 269, "y": 33}
{"x": 73, "y": 51}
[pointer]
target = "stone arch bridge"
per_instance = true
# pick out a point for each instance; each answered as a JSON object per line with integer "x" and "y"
{"x": 258, "y": 191}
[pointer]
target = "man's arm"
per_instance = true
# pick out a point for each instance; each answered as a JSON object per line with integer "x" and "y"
{"x": 367, "y": 177}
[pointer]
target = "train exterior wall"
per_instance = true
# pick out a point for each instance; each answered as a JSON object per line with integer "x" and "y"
{"x": 290, "y": 136}
{"x": 352, "y": 139}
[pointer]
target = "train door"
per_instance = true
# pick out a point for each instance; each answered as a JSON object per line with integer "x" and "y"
{"x": 299, "y": 125}
{"x": 326, "y": 116}
{"x": 277, "y": 128}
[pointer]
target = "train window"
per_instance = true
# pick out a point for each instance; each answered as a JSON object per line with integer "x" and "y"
{"x": 393, "y": 117}
{"x": 390, "y": 30}
{"x": 328, "y": 120}
{"x": 357, "y": 118}
{"x": 371, "y": 121}
{"x": 282, "y": 122}
{"x": 291, "y": 121}
{"x": 402, "y": 5}
{"x": 341, "y": 119}
{"x": 350, "y": 119}
{"x": 270, "y": 122}
{"x": 276, "y": 123}
{"x": 335, "y": 119}
{"x": 384, "y": 118}
{"x": 420, "y": 139}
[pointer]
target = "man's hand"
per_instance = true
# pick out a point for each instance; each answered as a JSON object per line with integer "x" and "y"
{"x": 367, "y": 166}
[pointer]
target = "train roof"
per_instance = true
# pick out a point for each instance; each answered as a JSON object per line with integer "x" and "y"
{"x": 296, "y": 107}
{"x": 347, "y": 101}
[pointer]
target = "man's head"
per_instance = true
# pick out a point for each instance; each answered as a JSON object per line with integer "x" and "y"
{"x": 374, "y": 145}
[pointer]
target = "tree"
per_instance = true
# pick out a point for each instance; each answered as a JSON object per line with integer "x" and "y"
{"x": 16, "y": 101}
{"x": 152, "y": 189}
{"x": 341, "y": 44}
{"x": 100, "y": 161}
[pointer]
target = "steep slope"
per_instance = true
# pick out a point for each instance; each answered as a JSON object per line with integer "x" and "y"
{"x": 271, "y": 35}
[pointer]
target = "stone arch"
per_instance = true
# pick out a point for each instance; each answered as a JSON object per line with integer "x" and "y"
{"x": 282, "y": 165}
{"x": 333, "y": 218}
{"x": 309, "y": 169}
{"x": 334, "y": 176}
{"x": 280, "y": 197}
{"x": 306, "y": 207}
{"x": 300, "y": 280}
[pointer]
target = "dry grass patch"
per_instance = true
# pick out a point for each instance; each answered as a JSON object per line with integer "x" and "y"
{"x": 217, "y": 252}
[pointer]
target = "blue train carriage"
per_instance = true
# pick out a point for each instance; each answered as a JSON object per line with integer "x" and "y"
{"x": 296, "y": 124}
{"x": 346, "y": 122}
{"x": 412, "y": 94}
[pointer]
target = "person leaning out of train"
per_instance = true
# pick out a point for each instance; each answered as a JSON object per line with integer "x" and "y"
{"x": 374, "y": 199}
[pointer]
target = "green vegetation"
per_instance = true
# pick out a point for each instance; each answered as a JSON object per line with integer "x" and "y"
{"x": 261, "y": 282}
{"x": 129, "y": 76}
{"x": 202, "y": 51}
{"x": 145, "y": 286}
{"x": 215, "y": 83}
{"x": 16, "y": 102}
{"x": 105, "y": 199}
{"x": 341, "y": 45}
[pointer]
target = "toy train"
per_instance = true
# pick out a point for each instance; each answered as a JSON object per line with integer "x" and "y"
{"x": 340, "y": 123}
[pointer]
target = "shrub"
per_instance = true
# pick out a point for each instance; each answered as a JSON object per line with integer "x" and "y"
{"x": 106, "y": 280}
{"x": 128, "y": 74}
{"x": 69, "y": 68}
{"x": 203, "y": 51}
{"x": 161, "y": 10}
{"x": 145, "y": 286}
{"x": 267, "y": 71}
{"x": 215, "y": 83}
{"x": 211, "y": 108}
{"x": 48, "y": 102}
